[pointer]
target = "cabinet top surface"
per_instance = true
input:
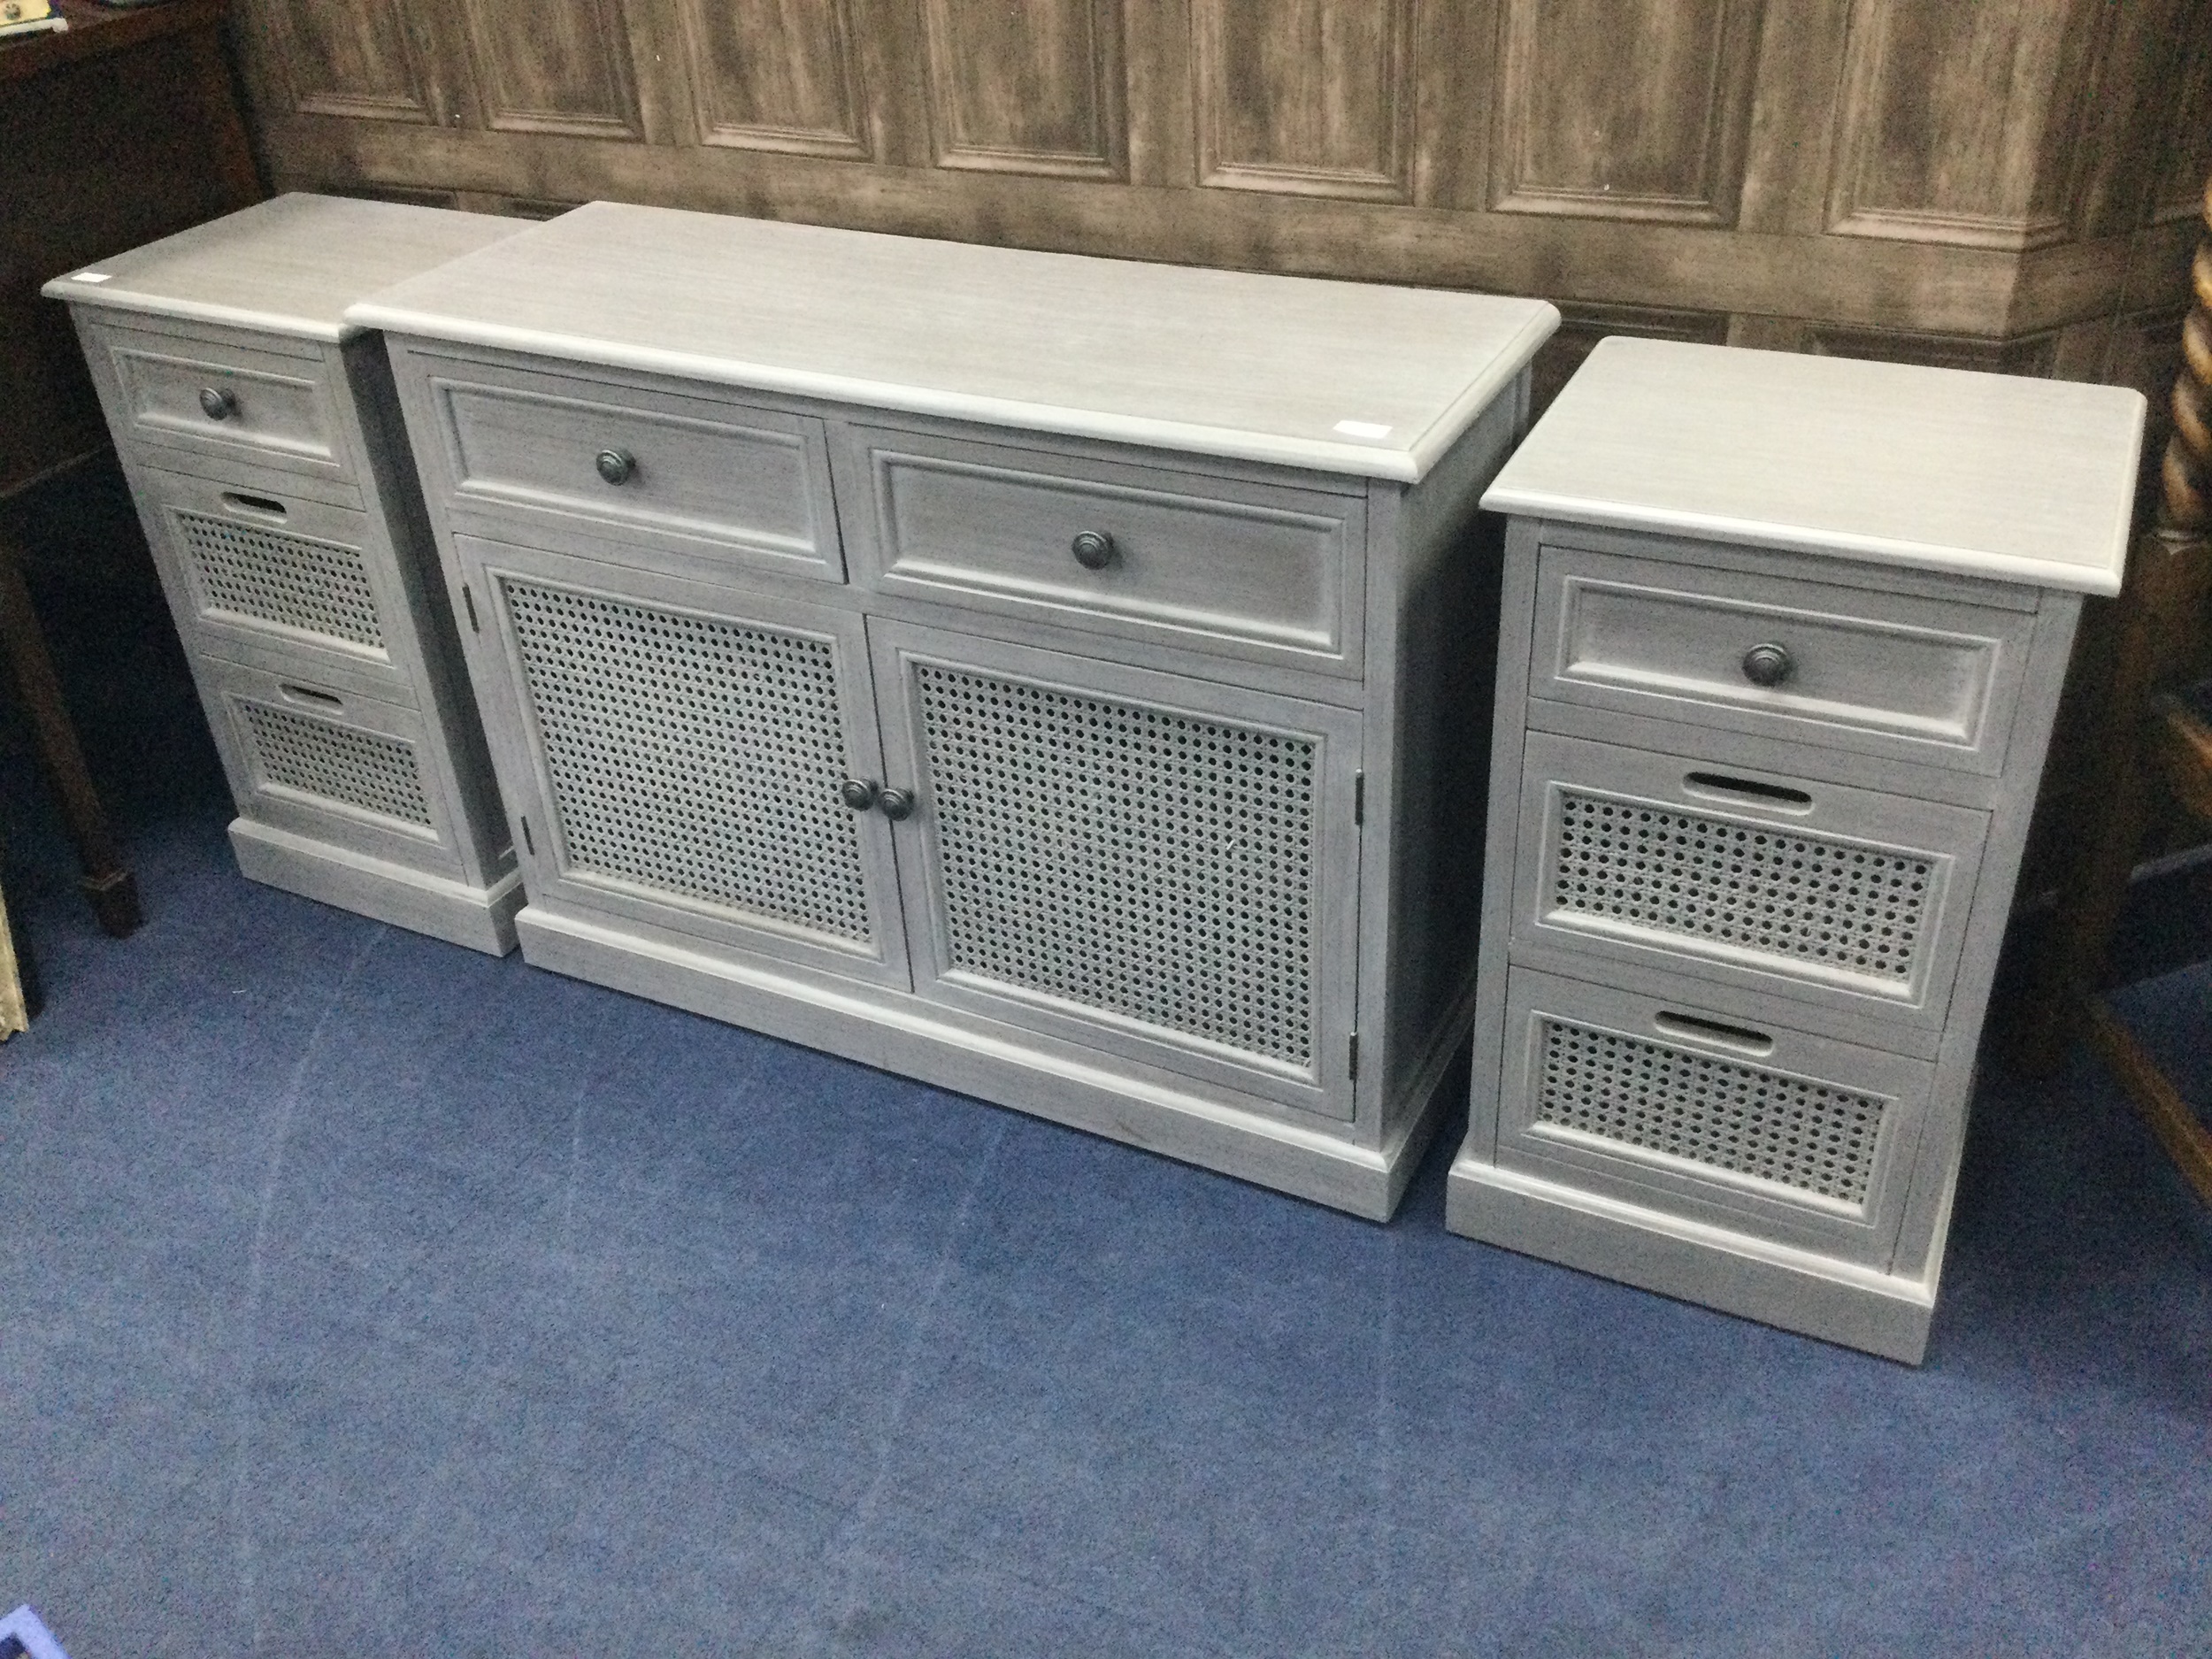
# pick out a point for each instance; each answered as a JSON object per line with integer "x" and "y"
{"x": 1338, "y": 376}
{"x": 1992, "y": 475}
{"x": 290, "y": 265}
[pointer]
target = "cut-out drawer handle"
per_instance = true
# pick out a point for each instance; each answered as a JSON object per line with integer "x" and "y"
{"x": 616, "y": 466}
{"x": 310, "y": 696}
{"x": 1700, "y": 1030}
{"x": 1768, "y": 665}
{"x": 1749, "y": 788}
{"x": 217, "y": 403}
{"x": 266, "y": 506}
{"x": 1093, "y": 550}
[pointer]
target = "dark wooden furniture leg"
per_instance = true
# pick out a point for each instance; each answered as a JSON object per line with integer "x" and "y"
{"x": 2142, "y": 738}
{"x": 107, "y": 883}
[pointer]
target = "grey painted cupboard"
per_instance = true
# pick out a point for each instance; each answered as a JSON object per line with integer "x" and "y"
{"x": 1057, "y": 678}
{"x": 1783, "y": 641}
{"x": 260, "y": 434}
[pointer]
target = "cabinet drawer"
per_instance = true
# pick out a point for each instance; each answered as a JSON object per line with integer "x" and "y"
{"x": 1836, "y": 897}
{"x": 259, "y": 566}
{"x": 221, "y": 398}
{"x": 1930, "y": 680}
{"x": 1230, "y": 565}
{"x": 328, "y": 763}
{"x": 1761, "y": 1129}
{"x": 691, "y": 475}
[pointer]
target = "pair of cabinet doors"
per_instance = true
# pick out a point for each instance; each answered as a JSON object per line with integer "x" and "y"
{"x": 1159, "y": 868}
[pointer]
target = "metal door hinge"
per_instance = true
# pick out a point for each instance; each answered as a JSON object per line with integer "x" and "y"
{"x": 1351, "y": 1058}
{"x": 528, "y": 845}
{"x": 469, "y": 599}
{"x": 1359, "y": 797}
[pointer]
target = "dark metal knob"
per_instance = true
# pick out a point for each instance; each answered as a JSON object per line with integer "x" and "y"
{"x": 1093, "y": 550}
{"x": 897, "y": 804}
{"x": 217, "y": 404}
{"x": 1767, "y": 665}
{"x": 858, "y": 793}
{"x": 616, "y": 466}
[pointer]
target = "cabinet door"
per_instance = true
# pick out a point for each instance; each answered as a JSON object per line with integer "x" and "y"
{"x": 1163, "y": 869}
{"x": 678, "y": 749}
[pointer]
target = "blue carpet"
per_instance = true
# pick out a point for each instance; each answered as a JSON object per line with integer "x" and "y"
{"x": 360, "y": 1293}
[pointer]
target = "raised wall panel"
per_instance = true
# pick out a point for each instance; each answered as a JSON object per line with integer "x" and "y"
{"x": 554, "y": 66}
{"x": 1304, "y": 98}
{"x": 776, "y": 74}
{"x": 1624, "y": 109}
{"x": 355, "y": 61}
{"x": 1036, "y": 87}
{"x": 1959, "y": 121}
{"x": 2188, "y": 157}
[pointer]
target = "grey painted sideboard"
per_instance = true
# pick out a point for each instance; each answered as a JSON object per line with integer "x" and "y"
{"x": 1784, "y": 642}
{"x": 1061, "y": 679}
{"x": 261, "y": 439}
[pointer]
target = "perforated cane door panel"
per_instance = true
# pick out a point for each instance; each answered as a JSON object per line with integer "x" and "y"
{"x": 260, "y": 567}
{"x": 1841, "y": 898}
{"x": 681, "y": 748}
{"x": 1673, "y": 1106}
{"x": 1161, "y": 868}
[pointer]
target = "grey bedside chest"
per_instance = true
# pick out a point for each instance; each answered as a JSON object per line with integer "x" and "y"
{"x": 1784, "y": 640}
{"x": 1044, "y": 676}
{"x": 260, "y": 434}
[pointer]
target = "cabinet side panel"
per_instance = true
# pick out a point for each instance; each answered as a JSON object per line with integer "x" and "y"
{"x": 1445, "y": 617}
{"x": 391, "y": 482}
{"x": 1927, "y": 1213}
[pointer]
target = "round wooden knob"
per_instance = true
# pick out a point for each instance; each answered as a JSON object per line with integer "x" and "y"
{"x": 1767, "y": 665}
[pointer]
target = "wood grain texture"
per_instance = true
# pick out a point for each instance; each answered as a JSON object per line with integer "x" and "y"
{"x": 1306, "y": 98}
{"x": 288, "y": 266}
{"x": 776, "y": 75}
{"x": 1037, "y": 88}
{"x": 2023, "y": 481}
{"x": 1614, "y": 111}
{"x": 554, "y": 66}
{"x": 1218, "y": 363}
{"x": 358, "y": 62}
{"x": 1960, "y": 122}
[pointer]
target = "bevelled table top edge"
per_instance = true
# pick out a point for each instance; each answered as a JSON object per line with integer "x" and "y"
{"x": 1574, "y": 467}
{"x": 417, "y": 310}
{"x": 133, "y": 283}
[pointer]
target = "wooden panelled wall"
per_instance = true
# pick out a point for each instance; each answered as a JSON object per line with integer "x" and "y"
{"x": 1999, "y": 184}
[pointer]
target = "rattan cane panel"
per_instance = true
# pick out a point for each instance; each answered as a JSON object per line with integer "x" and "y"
{"x": 695, "y": 755}
{"x": 1815, "y": 1137}
{"x": 273, "y": 576}
{"x": 360, "y": 769}
{"x": 1800, "y": 898}
{"x": 1152, "y": 864}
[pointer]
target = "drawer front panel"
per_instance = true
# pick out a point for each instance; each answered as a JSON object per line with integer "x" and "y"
{"x": 1831, "y": 895}
{"x": 1909, "y": 678}
{"x": 224, "y": 399}
{"x": 1764, "y": 1129}
{"x": 680, "y": 472}
{"x": 1252, "y": 569}
{"x": 262, "y": 565}
{"x": 328, "y": 763}
{"x": 1152, "y": 866}
{"x": 681, "y": 750}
